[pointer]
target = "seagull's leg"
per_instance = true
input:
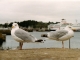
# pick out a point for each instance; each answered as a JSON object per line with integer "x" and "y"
{"x": 62, "y": 44}
{"x": 20, "y": 45}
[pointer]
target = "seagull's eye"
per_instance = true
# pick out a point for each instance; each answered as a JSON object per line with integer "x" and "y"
{"x": 69, "y": 27}
{"x": 15, "y": 25}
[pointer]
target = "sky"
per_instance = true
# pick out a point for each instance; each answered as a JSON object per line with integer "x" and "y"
{"x": 39, "y": 10}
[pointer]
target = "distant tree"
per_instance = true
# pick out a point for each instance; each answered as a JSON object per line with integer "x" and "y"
{"x": 10, "y": 24}
{"x": 57, "y": 22}
{"x": 5, "y": 25}
{"x": 1, "y": 25}
{"x": 30, "y": 23}
{"x": 50, "y": 23}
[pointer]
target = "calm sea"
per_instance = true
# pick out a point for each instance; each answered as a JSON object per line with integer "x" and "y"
{"x": 74, "y": 42}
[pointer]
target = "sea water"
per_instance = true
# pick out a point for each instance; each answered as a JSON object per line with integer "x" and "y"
{"x": 74, "y": 42}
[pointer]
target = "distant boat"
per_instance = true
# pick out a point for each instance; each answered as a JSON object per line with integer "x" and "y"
{"x": 53, "y": 27}
{"x": 76, "y": 27}
{"x": 62, "y": 25}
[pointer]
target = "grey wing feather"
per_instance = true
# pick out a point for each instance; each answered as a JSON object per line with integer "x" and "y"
{"x": 58, "y": 34}
{"x": 24, "y": 35}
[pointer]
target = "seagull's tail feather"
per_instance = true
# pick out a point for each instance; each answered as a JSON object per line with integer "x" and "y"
{"x": 40, "y": 40}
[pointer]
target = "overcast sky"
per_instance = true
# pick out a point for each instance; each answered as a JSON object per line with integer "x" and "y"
{"x": 39, "y": 10}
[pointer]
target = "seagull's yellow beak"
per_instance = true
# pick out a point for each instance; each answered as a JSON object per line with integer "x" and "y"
{"x": 12, "y": 26}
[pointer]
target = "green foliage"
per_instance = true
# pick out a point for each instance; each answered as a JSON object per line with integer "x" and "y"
{"x": 31, "y": 23}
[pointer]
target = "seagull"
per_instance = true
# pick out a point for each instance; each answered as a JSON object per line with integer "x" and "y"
{"x": 22, "y": 36}
{"x": 61, "y": 35}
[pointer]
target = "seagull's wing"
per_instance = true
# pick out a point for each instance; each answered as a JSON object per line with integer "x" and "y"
{"x": 57, "y": 34}
{"x": 24, "y": 35}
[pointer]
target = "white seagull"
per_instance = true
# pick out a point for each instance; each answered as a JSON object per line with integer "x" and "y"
{"x": 61, "y": 35}
{"x": 21, "y": 35}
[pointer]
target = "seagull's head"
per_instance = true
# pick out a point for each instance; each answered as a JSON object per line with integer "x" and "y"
{"x": 68, "y": 27}
{"x": 15, "y": 25}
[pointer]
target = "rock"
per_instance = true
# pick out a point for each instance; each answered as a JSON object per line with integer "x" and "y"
{"x": 2, "y": 38}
